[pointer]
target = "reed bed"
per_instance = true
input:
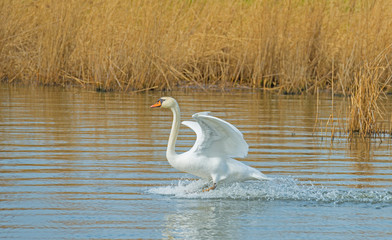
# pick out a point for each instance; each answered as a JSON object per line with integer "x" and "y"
{"x": 291, "y": 46}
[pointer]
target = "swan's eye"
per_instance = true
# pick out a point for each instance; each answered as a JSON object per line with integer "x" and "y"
{"x": 161, "y": 101}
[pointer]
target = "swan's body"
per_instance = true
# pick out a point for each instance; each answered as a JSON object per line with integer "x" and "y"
{"x": 211, "y": 157}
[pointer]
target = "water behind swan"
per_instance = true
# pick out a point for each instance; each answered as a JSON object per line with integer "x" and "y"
{"x": 283, "y": 188}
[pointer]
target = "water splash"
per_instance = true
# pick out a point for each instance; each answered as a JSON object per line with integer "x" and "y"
{"x": 278, "y": 189}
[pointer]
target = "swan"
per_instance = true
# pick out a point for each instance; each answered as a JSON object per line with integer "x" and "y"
{"x": 211, "y": 157}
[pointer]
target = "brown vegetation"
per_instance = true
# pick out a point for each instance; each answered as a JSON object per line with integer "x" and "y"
{"x": 365, "y": 108}
{"x": 292, "y": 46}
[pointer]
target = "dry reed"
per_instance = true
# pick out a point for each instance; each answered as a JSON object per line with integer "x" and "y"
{"x": 292, "y": 46}
{"x": 365, "y": 110}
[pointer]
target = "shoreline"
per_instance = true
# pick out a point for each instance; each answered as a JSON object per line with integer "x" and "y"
{"x": 341, "y": 122}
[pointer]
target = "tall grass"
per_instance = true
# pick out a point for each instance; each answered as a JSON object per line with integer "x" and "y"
{"x": 365, "y": 109}
{"x": 291, "y": 46}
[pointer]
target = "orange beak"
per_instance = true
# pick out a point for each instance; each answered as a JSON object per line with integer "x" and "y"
{"x": 157, "y": 104}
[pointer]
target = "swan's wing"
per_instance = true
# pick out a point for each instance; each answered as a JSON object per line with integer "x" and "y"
{"x": 197, "y": 129}
{"x": 216, "y": 137}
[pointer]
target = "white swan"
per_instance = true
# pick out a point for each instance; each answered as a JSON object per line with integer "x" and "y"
{"x": 211, "y": 157}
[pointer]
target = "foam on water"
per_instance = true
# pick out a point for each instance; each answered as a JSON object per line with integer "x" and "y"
{"x": 285, "y": 188}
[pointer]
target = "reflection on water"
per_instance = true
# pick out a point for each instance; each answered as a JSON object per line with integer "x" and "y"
{"x": 190, "y": 219}
{"x": 90, "y": 165}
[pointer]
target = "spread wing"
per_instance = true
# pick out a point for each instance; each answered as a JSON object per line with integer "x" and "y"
{"x": 216, "y": 137}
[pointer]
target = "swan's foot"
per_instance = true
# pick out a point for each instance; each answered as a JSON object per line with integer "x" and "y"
{"x": 210, "y": 188}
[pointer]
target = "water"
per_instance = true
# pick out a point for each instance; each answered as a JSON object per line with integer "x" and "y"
{"x": 76, "y": 164}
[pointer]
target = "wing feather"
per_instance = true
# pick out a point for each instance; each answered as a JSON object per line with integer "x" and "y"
{"x": 216, "y": 137}
{"x": 197, "y": 129}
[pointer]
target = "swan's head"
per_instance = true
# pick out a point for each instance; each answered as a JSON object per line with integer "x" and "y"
{"x": 165, "y": 102}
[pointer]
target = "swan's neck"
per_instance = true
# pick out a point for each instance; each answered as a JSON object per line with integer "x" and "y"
{"x": 171, "y": 146}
